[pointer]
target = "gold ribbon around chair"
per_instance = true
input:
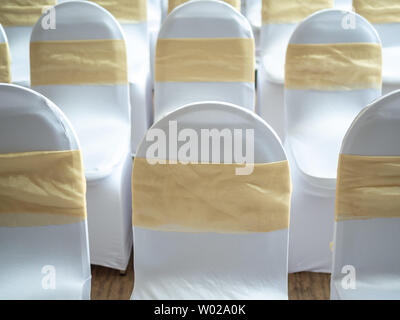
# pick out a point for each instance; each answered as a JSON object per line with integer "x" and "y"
{"x": 5, "y": 63}
{"x": 172, "y": 4}
{"x": 42, "y": 188}
{"x": 126, "y": 11}
{"x": 291, "y": 11}
{"x": 340, "y": 66}
{"x": 22, "y": 12}
{"x": 210, "y": 197}
{"x": 78, "y": 62}
{"x": 368, "y": 187}
{"x": 378, "y": 11}
{"x": 205, "y": 60}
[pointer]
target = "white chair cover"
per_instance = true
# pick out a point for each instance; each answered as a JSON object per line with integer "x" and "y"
{"x": 316, "y": 122}
{"x": 28, "y": 123}
{"x": 155, "y": 18}
{"x": 203, "y": 19}
{"x": 344, "y": 4}
{"x": 370, "y": 246}
{"x": 388, "y": 30}
{"x": 18, "y": 27}
{"x": 185, "y": 265}
{"x": 100, "y": 114}
{"x": 274, "y": 38}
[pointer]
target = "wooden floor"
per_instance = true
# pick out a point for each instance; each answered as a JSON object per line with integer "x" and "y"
{"x": 108, "y": 284}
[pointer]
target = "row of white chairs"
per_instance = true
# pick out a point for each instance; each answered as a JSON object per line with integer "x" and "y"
{"x": 108, "y": 173}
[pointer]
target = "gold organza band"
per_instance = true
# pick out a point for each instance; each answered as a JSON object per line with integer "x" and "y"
{"x": 41, "y": 188}
{"x": 368, "y": 187}
{"x": 210, "y": 197}
{"x": 378, "y": 11}
{"x": 291, "y": 11}
{"x": 126, "y": 10}
{"x": 78, "y": 62}
{"x": 205, "y": 60}
{"x": 340, "y": 66}
{"x": 5, "y": 63}
{"x": 22, "y": 12}
{"x": 172, "y": 4}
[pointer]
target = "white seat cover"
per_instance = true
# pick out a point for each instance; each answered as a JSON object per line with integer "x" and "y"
{"x": 100, "y": 114}
{"x": 184, "y": 265}
{"x": 370, "y": 245}
{"x": 29, "y": 122}
{"x": 274, "y": 38}
{"x": 203, "y": 19}
{"x": 316, "y": 122}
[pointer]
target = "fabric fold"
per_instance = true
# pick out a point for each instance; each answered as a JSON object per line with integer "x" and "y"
{"x": 22, "y": 12}
{"x": 378, "y": 11}
{"x": 368, "y": 187}
{"x": 291, "y": 11}
{"x": 78, "y": 62}
{"x": 42, "y": 188}
{"x": 339, "y": 66}
{"x": 205, "y": 60}
{"x": 211, "y": 197}
{"x": 172, "y": 4}
{"x": 125, "y": 11}
{"x": 5, "y": 63}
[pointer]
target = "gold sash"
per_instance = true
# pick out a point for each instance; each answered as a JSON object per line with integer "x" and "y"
{"x": 172, "y": 4}
{"x": 378, "y": 11}
{"x": 341, "y": 66}
{"x": 78, "y": 62}
{"x": 291, "y": 11}
{"x": 22, "y": 12}
{"x": 126, "y": 11}
{"x": 41, "y": 188}
{"x": 368, "y": 187}
{"x": 210, "y": 197}
{"x": 205, "y": 60}
{"x": 5, "y": 63}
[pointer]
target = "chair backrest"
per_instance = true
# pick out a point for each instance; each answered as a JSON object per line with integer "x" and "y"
{"x": 5, "y": 61}
{"x": 172, "y": 4}
{"x": 367, "y": 231}
{"x": 82, "y": 66}
{"x": 279, "y": 19}
{"x": 332, "y": 72}
{"x": 205, "y": 52}
{"x": 133, "y": 19}
{"x": 18, "y": 18}
{"x": 385, "y": 17}
{"x": 41, "y": 234}
{"x": 204, "y": 184}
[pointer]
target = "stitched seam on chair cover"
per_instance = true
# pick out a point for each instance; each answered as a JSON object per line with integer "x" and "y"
{"x": 339, "y": 66}
{"x": 22, "y": 12}
{"x": 126, "y": 11}
{"x": 291, "y": 11}
{"x": 378, "y": 11}
{"x": 368, "y": 187}
{"x": 205, "y": 60}
{"x": 79, "y": 62}
{"x": 210, "y": 197}
{"x": 42, "y": 188}
{"x": 5, "y": 69}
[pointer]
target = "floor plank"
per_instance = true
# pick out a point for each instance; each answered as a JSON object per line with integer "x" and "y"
{"x": 108, "y": 284}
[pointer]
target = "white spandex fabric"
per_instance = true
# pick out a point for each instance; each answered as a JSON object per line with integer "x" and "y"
{"x": 100, "y": 115}
{"x": 29, "y": 122}
{"x": 316, "y": 122}
{"x": 370, "y": 246}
